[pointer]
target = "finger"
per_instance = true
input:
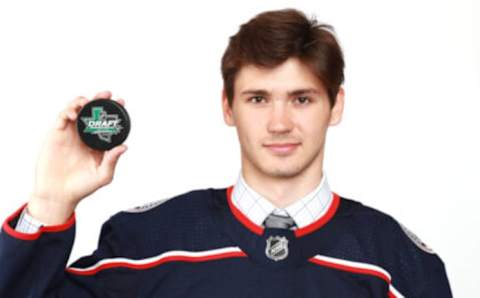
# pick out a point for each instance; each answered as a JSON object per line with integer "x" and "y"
{"x": 121, "y": 101}
{"x": 104, "y": 94}
{"x": 78, "y": 102}
{"x": 109, "y": 162}
{"x": 71, "y": 114}
{"x": 61, "y": 121}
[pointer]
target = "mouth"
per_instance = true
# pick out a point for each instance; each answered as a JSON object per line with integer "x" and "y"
{"x": 282, "y": 149}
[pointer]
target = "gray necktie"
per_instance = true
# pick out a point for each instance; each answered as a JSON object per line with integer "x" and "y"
{"x": 279, "y": 222}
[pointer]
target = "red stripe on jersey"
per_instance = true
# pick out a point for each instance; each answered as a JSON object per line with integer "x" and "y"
{"x": 357, "y": 267}
{"x": 136, "y": 264}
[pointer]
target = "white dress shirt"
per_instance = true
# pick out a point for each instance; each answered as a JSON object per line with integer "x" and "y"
{"x": 27, "y": 224}
{"x": 304, "y": 211}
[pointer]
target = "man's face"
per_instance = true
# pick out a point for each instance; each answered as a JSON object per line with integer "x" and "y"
{"x": 277, "y": 106}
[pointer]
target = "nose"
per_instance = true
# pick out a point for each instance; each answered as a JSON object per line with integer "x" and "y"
{"x": 279, "y": 119}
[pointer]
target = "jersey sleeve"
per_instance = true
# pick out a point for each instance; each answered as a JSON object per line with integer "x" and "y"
{"x": 417, "y": 271}
{"x": 35, "y": 264}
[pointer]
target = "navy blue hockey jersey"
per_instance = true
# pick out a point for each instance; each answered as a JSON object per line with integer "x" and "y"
{"x": 198, "y": 244}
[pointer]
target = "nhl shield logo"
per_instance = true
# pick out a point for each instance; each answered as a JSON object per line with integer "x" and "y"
{"x": 277, "y": 248}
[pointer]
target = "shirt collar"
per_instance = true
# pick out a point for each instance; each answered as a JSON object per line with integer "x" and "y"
{"x": 304, "y": 211}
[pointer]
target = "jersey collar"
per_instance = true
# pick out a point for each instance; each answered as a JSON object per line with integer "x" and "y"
{"x": 308, "y": 212}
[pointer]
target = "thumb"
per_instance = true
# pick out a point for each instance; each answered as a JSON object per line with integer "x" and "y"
{"x": 109, "y": 162}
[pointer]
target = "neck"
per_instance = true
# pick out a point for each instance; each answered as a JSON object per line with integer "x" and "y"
{"x": 284, "y": 191}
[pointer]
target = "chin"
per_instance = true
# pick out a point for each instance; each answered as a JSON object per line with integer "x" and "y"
{"x": 282, "y": 171}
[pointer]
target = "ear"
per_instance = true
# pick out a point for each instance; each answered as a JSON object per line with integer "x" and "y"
{"x": 227, "y": 111}
{"x": 337, "y": 111}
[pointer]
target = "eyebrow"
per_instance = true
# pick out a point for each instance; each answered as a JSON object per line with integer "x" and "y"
{"x": 290, "y": 93}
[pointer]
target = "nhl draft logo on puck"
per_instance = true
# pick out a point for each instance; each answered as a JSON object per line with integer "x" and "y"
{"x": 103, "y": 124}
{"x": 277, "y": 248}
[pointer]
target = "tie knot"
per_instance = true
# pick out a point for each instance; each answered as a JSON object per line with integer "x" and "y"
{"x": 279, "y": 221}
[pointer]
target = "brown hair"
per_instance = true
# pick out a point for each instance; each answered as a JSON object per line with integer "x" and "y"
{"x": 272, "y": 37}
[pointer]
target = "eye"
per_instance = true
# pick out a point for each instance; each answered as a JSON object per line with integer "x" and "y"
{"x": 303, "y": 99}
{"x": 256, "y": 99}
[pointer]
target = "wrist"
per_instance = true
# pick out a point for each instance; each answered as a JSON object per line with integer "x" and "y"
{"x": 49, "y": 212}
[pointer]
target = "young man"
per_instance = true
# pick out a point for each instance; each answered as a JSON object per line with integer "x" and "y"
{"x": 278, "y": 232}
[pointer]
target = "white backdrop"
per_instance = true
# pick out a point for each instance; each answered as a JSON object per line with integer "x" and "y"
{"x": 408, "y": 143}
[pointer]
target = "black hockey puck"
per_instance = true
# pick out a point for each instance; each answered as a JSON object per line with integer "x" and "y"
{"x": 103, "y": 124}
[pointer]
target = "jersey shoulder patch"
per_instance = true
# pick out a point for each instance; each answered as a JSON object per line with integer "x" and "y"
{"x": 146, "y": 207}
{"x": 417, "y": 241}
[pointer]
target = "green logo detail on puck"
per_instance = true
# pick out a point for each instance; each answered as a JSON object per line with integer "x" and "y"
{"x": 102, "y": 124}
